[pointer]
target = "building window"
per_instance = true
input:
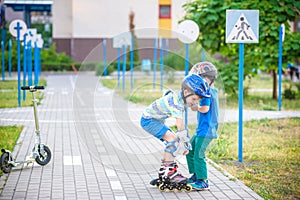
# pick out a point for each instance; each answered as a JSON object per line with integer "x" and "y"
{"x": 165, "y": 11}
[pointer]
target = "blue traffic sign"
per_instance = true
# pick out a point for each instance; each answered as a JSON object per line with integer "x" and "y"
{"x": 242, "y": 26}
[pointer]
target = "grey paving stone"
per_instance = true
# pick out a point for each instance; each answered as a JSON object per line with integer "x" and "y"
{"x": 114, "y": 158}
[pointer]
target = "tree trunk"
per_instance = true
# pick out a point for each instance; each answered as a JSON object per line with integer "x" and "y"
{"x": 274, "y": 96}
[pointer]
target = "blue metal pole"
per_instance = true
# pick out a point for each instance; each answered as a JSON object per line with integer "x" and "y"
{"x": 3, "y": 61}
{"x": 19, "y": 63}
{"x": 119, "y": 55}
{"x": 39, "y": 61}
{"x": 186, "y": 73}
{"x": 3, "y": 53}
{"x": 36, "y": 69}
{"x": 154, "y": 63}
{"x": 161, "y": 55}
{"x": 167, "y": 46}
{"x": 124, "y": 66}
{"x": 280, "y": 68}
{"x": 9, "y": 57}
{"x": 203, "y": 55}
{"x": 241, "y": 79}
{"x": 131, "y": 62}
{"x": 29, "y": 51}
{"x": 186, "y": 64}
{"x": 104, "y": 57}
{"x": 24, "y": 65}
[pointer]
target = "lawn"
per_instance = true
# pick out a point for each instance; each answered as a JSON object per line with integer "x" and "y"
{"x": 9, "y": 94}
{"x": 271, "y": 156}
{"x": 271, "y": 148}
{"x": 8, "y": 137}
{"x": 144, "y": 93}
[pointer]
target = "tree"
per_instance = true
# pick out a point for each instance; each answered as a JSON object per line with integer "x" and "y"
{"x": 211, "y": 18}
{"x": 131, "y": 28}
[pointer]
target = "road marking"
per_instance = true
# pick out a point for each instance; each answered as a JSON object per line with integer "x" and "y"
{"x": 116, "y": 185}
{"x": 72, "y": 160}
{"x": 120, "y": 198}
{"x": 110, "y": 172}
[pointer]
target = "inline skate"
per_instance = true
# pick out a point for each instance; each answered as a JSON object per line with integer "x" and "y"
{"x": 170, "y": 179}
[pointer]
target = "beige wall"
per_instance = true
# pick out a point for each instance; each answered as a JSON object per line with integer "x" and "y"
{"x": 62, "y": 18}
{"x": 80, "y": 25}
{"x": 107, "y": 18}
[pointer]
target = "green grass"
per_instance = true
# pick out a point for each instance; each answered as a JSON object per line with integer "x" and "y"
{"x": 8, "y": 137}
{"x": 9, "y": 94}
{"x": 271, "y": 148}
{"x": 144, "y": 94}
{"x": 271, "y": 156}
{"x": 260, "y": 102}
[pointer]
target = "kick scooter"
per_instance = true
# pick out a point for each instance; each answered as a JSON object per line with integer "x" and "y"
{"x": 40, "y": 152}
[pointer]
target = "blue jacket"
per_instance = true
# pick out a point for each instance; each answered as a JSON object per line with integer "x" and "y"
{"x": 208, "y": 122}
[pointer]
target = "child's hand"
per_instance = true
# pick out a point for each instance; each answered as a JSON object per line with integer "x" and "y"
{"x": 186, "y": 152}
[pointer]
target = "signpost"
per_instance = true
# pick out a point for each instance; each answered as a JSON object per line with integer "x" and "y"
{"x": 32, "y": 35}
{"x": 40, "y": 44}
{"x": 281, "y": 39}
{"x": 154, "y": 62}
{"x": 18, "y": 28}
{"x": 241, "y": 27}
{"x": 24, "y": 64}
{"x": 122, "y": 41}
{"x": 161, "y": 63}
{"x": 188, "y": 33}
{"x": 9, "y": 57}
{"x": 3, "y": 38}
{"x": 104, "y": 57}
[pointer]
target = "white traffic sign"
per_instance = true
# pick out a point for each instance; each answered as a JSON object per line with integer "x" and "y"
{"x": 31, "y": 35}
{"x": 13, "y": 26}
{"x": 122, "y": 39}
{"x": 39, "y": 41}
{"x": 242, "y": 26}
{"x": 188, "y": 31}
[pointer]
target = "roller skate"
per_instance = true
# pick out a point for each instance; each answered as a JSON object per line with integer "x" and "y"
{"x": 172, "y": 180}
{"x": 157, "y": 181}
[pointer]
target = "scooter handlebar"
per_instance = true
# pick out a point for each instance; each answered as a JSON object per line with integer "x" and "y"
{"x": 35, "y": 87}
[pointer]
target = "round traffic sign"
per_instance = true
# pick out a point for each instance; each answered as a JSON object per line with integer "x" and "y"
{"x": 14, "y": 25}
{"x": 188, "y": 31}
{"x": 39, "y": 41}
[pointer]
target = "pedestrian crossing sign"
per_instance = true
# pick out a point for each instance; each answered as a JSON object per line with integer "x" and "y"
{"x": 242, "y": 26}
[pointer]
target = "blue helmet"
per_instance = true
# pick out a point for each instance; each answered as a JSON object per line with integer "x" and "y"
{"x": 196, "y": 84}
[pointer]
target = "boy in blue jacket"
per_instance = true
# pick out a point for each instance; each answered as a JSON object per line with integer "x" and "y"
{"x": 207, "y": 127}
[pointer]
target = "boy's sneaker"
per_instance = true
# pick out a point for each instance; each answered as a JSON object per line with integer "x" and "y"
{"x": 200, "y": 185}
{"x": 192, "y": 179}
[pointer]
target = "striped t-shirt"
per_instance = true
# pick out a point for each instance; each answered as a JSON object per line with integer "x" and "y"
{"x": 170, "y": 105}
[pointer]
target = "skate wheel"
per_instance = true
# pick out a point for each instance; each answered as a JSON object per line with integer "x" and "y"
{"x": 155, "y": 182}
{"x": 171, "y": 188}
{"x": 4, "y": 162}
{"x": 162, "y": 187}
{"x": 188, "y": 188}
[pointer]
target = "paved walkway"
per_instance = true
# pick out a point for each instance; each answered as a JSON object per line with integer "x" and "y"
{"x": 98, "y": 149}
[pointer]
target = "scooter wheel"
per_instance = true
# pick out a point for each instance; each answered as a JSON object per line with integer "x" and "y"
{"x": 4, "y": 165}
{"x": 44, "y": 156}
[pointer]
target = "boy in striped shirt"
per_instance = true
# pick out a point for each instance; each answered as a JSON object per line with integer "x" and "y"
{"x": 172, "y": 104}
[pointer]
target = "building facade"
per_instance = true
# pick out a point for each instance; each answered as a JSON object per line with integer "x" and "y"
{"x": 79, "y": 27}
